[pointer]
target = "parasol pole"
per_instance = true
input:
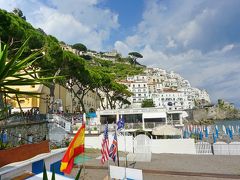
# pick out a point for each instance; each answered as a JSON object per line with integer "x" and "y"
{"x": 117, "y": 119}
{"x": 125, "y": 150}
{"x": 84, "y": 167}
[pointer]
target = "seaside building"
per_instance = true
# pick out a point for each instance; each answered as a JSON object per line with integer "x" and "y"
{"x": 167, "y": 90}
{"x": 64, "y": 100}
{"x": 141, "y": 118}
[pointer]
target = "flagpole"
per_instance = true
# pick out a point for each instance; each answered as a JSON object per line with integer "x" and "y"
{"x": 83, "y": 121}
{"x": 108, "y": 156}
{"x": 117, "y": 147}
{"x": 117, "y": 119}
{"x": 125, "y": 151}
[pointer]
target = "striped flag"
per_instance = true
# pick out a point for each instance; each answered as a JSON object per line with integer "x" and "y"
{"x": 113, "y": 148}
{"x": 75, "y": 148}
{"x": 105, "y": 142}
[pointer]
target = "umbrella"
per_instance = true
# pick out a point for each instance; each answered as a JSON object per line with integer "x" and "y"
{"x": 166, "y": 130}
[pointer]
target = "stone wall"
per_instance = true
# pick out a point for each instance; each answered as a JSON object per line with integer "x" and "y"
{"x": 25, "y": 133}
{"x": 212, "y": 113}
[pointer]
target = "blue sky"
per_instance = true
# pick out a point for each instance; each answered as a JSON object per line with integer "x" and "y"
{"x": 199, "y": 39}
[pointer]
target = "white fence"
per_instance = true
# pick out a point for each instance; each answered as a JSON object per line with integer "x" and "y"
{"x": 176, "y": 146}
{"x": 203, "y": 148}
{"x": 218, "y": 148}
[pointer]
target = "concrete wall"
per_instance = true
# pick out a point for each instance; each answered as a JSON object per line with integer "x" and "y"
{"x": 10, "y": 171}
{"x": 50, "y": 160}
{"x": 176, "y": 146}
{"x": 16, "y": 172}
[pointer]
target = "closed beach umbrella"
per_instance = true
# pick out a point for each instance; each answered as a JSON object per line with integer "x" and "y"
{"x": 206, "y": 132}
{"x": 216, "y": 129}
{"x": 230, "y": 134}
{"x": 201, "y": 135}
{"x": 224, "y": 129}
{"x": 166, "y": 130}
{"x": 233, "y": 130}
{"x": 214, "y": 138}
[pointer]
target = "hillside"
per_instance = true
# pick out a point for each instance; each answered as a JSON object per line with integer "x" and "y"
{"x": 15, "y": 29}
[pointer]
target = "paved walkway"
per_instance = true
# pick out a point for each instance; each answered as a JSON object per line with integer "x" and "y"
{"x": 176, "y": 167}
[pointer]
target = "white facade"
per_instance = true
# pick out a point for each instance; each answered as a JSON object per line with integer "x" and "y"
{"x": 168, "y": 90}
{"x": 171, "y": 100}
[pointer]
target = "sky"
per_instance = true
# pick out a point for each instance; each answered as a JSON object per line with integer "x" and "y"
{"x": 200, "y": 40}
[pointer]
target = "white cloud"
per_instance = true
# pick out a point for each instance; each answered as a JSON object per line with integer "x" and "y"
{"x": 197, "y": 39}
{"x": 122, "y": 47}
{"x": 171, "y": 43}
{"x": 227, "y": 48}
{"x": 71, "y": 21}
{"x": 188, "y": 33}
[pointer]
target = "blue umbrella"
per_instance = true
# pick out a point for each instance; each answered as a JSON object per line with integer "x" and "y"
{"x": 206, "y": 132}
{"x": 214, "y": 138}
{"x": 185, "y": 134}
{"x": 200, "y": 135}
{"x": 227, "y": 130}
{"x": 216, "y": 129}
{"x": 230, "y": 134}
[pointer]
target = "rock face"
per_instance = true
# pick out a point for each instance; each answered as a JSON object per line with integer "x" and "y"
{"x": 212, "y": 113}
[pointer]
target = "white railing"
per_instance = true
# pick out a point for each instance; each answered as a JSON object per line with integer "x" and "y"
{"x": 131, "y": 111}
{"x": 218, "y": 148}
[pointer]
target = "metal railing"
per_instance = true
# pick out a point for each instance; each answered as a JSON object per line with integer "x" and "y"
{"x": 219, "y": 148}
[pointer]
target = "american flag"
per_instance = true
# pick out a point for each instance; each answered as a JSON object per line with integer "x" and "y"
{"x": 120, "y": 123}
{"x": 113, "y": 148}
{"x": 105, "y": 142}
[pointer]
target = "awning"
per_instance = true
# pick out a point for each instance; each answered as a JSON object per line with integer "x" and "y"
{"x": 155, "y": 115}
{"x": 91, "y": 115}
{"x": 166, "y": 130}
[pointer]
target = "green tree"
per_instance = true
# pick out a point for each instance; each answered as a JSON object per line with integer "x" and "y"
{"x": 19, "y": 13}
{"x": 147, "y": 103}
{"x": 80, "y": 47}
{"x": 134, "y": 56}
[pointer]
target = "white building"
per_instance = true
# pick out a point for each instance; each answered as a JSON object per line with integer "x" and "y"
{"x": 170, "y": 99}
{"x": 168, "y": 90}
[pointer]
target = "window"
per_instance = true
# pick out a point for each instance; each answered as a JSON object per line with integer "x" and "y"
{"x": 22, "y": 101}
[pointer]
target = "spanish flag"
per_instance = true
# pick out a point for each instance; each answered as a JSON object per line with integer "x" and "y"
{"x": 75, "y": 148}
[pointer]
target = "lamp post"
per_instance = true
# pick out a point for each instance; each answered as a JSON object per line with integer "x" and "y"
{"x": 70, "y": 85}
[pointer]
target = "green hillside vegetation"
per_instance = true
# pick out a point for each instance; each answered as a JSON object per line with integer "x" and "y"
{"x": 86, "y": 74}
{"x": 119, "y": 70}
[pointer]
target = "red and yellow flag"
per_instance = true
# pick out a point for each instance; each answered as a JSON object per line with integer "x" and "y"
{"x": 75, "y": 148}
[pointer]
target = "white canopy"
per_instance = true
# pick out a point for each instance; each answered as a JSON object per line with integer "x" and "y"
{"x": 167, "y": 130}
